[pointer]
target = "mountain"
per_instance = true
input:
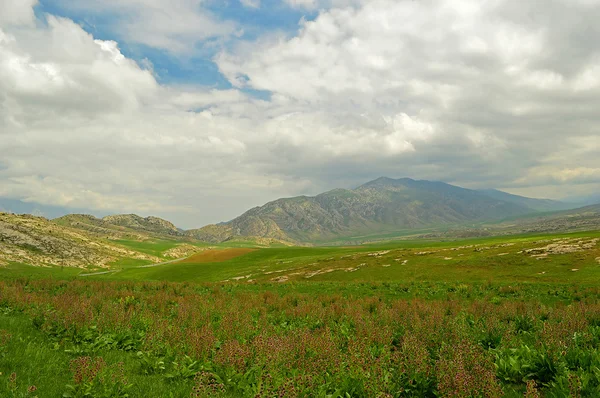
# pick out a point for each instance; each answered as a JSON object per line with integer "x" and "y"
{"x": 379, "y": 206}
{"x": 534, "y": 204}
{"x": 121, "y": 226}
{"x": 584, "y": 200}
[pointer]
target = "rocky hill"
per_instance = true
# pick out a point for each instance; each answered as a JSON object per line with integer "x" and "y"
{"x": 121, "y": 226}
{"x": 146, "y": 224}
{"x": 38, "y": 241}
{"x": 382, "y": 205}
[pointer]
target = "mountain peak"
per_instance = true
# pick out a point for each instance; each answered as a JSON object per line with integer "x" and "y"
{"x": 387, "y": 181}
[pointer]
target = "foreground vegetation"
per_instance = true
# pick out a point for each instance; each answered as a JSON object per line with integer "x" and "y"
{"x": 117, "y": 339}
{"x": 491, "y": 317}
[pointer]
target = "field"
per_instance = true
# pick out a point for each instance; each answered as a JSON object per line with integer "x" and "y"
{"x": 513, "y": 316}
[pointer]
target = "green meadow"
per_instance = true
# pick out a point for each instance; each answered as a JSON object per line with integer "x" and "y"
{"x": 506, "y": 316}
{"x": 499, "y": 259}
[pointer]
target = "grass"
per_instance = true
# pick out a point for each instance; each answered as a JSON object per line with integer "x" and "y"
{"x": 47, "y": 365}
{"x": 473, "y": 260}
{"x": 19, "y": 270}
{"x": 304, "y": 339}
{"x": 476, "y": 317}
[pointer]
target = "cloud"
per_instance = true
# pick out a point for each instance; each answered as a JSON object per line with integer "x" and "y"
{"x": 555, "y": 175}
{"x": 250, "y": 3}
{"x": 17, "y": 12}
{"x": 482, "y": 94}
{"x": 310, "y": 4}
{"x": 490, "y": 78}
{"x": 175, "y": 26}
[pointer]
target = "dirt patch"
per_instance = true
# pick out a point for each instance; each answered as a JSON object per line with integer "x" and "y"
{"x": 217, "y": 256}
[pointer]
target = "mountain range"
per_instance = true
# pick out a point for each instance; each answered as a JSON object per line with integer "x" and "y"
{"x": 382, "y": 207}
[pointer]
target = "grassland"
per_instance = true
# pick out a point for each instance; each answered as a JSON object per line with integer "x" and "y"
{"x": 507, "y": 259}
{"x": 508, "y": 316}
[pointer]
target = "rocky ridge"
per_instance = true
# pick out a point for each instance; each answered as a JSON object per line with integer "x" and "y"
{"x": 38, "y": 241}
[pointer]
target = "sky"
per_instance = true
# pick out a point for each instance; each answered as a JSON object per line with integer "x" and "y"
{"x": 197, "y": 110}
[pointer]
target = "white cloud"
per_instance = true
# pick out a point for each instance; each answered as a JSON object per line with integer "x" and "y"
{"x": 557, "y": 175}
{"x": 250, "y": 3}
{"x": 310, "y": 4}
{"x": 17, "y": 12}
{"x": 176, "y": 26}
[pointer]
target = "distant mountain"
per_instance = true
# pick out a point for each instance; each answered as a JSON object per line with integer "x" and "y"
{"x": 379, "y": 206}
{"x": 20, "y": 207}
{"x": 581, "y": 219}
{"x": 534, "y": 204}
{"x": 584, "y": 200}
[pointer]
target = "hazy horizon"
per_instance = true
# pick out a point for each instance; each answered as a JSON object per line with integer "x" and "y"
{"x": 51, "y": 212}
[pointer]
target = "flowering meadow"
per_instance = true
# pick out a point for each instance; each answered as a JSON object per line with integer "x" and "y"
{"x": 141, "y": 339}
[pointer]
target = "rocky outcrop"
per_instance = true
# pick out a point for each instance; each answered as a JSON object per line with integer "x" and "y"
{"x": 146, "y": 224}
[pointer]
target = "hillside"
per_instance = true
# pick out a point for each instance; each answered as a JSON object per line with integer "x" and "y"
{"x": 584, "y": 218}
{"x": 38, "y": 241}
{"x": 581, "y": 219}
{"x": 379, "y": 206}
